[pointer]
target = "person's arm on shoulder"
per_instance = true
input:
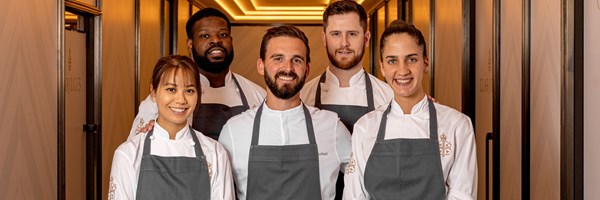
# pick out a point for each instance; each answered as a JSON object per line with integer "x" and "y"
{"x": 147, "y": 111}
{"x": 462, "y": 178}
{"x": 221, "y": 179}
{"x": 354, "y": 188}
{"x": 122, "y": 177}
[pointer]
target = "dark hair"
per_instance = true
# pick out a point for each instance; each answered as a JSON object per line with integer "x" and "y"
{"x": 279, "y": 31}
{"x": 206, "y": 12}
{"x": 345, "y": 7}
{"x": 399, "y": 27}
{"x": 174, "y": 63}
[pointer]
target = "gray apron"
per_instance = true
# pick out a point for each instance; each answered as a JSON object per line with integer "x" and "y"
{"x": 348, "y": 114}
{"x": 209, "y": 118}
{"x": 173, "y": 177}
{"x": 283, "y": 172}
{"x": 406, "y": 168}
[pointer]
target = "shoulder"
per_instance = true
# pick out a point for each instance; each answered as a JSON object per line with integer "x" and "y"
{"x": 381, "y": 86}
{"x": 131, "y": 147}
{"x": 308, "y": 90}
{"x": 321, "y": 115}
{"x": 209, "y": 144}
{"x": 244, "y": 117}
{"x": 244, "y": 82}
{"x": 450, "y": 115}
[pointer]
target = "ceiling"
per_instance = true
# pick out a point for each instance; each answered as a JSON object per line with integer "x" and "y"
{"x": 275, "y": 11}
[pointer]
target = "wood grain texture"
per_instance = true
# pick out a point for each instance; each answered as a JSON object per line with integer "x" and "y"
{"x": 117, "y": 79}
{"x": 511, "y": 33}
{"x": 28, "y": 109}
{"x": 545, "y": 98}
{"x": 448, "y": 53}
{"x": 591, "y": 161}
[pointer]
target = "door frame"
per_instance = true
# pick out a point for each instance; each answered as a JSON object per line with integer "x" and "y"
{"x": 93, "y": 23}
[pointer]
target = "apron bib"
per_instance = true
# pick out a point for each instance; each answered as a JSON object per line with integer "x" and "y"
{"x": 173, "y": 177}
{"x": 283, "y": 172}
{"x": 348, "y": 114}
{"x": 406, "y": 168}
{"x": 209, "y": 118}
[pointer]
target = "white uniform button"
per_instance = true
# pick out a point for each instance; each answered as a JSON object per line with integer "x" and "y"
{"x": 192, "y": 143}
{"x": 152, "y": 137}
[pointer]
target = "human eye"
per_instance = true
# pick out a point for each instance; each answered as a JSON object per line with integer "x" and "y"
{"x": 223, "y": 35}
{"x": 190, "y": 90}
{"x": 392, "y": 61}
{"x": 170, "y": 89}
{"x": 204, "y": 36}
{"x": 334, "y": 34}
{"x": 412, "y": 60}
{"x": 353, "y": 34}
{"x": 298, "y": 60}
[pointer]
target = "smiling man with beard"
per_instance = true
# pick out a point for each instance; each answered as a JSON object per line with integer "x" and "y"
{"x": 224, "y": 93}
{"x": 345, "y": 87}
{"x": 285, "y": 149}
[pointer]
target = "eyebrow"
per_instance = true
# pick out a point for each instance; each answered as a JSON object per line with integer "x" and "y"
{"x": 173, "y": 84}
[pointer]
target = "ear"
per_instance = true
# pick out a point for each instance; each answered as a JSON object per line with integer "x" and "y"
{"x": 324, "y": 38}
{"x": 307, "y": 70}
{"x": 260, "y": 67}
{"x": 190, "y": 45}
{"x": 152, "y": 94}
{"x": 367, "y": 38}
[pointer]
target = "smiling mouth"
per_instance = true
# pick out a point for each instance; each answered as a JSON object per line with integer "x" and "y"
{"x": 403, "y": 81}
{"x": 178, "y": 110}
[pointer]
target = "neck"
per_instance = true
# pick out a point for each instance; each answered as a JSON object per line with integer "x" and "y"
{"x": 275, "y": 103}
{"x": 172, "y": 129}
{"x": 407, "y": 103}
{"x": 216, "y": 80}
{"x": 344, "y": 75}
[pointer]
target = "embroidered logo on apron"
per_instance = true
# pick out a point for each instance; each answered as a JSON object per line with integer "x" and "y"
{"x": 445, "y": 146}
{"x": 351, "y": 164}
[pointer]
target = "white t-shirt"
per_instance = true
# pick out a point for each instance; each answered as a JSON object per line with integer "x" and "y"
{"x": 288, "y": 128}
{"x": 355, "y": 94}
{"x": 228, "y": 95}
{"x": 459, "y": 161}
{"x": 127, "y": 159}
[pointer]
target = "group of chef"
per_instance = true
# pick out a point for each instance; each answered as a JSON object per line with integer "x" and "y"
{"x": 205, "y": 132}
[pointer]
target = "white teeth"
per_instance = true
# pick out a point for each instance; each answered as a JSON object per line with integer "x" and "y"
{"x": 287, "y": 78}
{"x": 178, "y": 110}
{"x": 216, "y": 51}
{"x": 403, "y": 81}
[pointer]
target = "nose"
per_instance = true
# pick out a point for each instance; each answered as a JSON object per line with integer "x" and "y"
{"x": 180, "y": 98}
{"x": 344, "y": 42}
{"x": 215, "y": 39}
{"x": 403, "y": 69}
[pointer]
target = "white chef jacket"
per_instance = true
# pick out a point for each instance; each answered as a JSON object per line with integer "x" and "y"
{"x": 455, "y": 134}
{"x": 128, "y": 156}
{"x": 288, "y": 127}
{"x": 228, "y": 95}
{"x": 355, "y": 94}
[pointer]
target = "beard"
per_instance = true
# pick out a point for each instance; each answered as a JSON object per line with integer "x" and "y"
{"x": 344, "y": 64}
{"x": 286, "y": 91}
{"x": 212, "y": 67}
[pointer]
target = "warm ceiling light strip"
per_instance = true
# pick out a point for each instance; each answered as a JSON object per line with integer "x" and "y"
{"x": 247, "y": 11}
{"x": 298, "y": 8}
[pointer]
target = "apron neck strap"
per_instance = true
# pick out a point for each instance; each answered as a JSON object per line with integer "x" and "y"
{"x": 147, "y": 143}
{"x": 307, "y": 118}
{"x": 433, "y": 128}
{"x": 197, "y": 147}
{"x": 237, "y": 84}
{"x": 368, "y": 85}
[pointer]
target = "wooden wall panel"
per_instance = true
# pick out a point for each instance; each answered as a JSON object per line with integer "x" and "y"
{"x": 511, "y": 33}
{"x": 118, "y": 31}
{"x": 545, "y": 98}
{"x": 28, "y": 109}
{"x": 448, "y": 53}
{"x": 421, "y": 20}
{"x": 150, "y": 49}
{"x": 591, "y": 98}
{"x": 247, "y": 47}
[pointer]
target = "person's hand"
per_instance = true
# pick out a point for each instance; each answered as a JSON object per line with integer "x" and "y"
{"x": 145, "y": 128}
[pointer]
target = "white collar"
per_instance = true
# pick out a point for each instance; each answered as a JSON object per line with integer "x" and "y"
{"x": 356, "y": 79}
{"x": 205, "y": 83}
{"x": 161, "y": 132}
{"x": 292, "y": 111}
{"x": 420, "y": 109}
